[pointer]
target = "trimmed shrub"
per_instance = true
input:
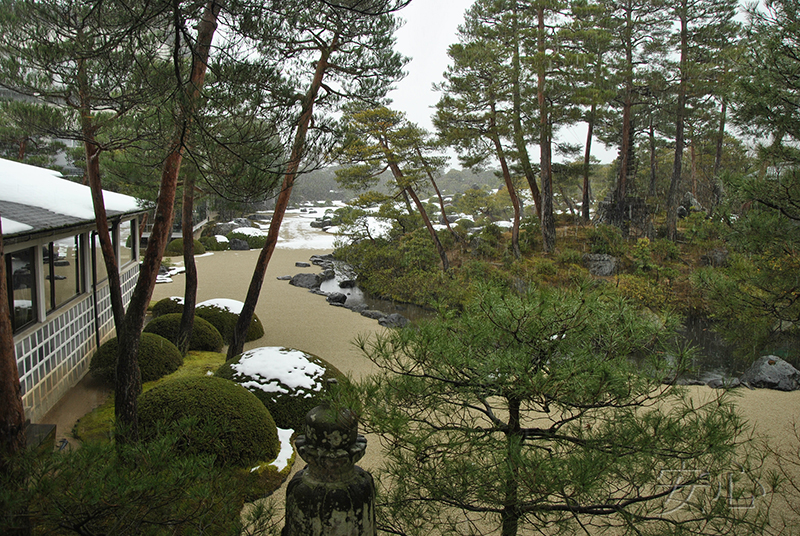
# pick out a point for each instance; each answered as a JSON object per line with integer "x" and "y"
{"x": 228, "y": 421}
{"x": 157, "y": 358}
{"x": 167, "y": 306}
{"x": 175, "y": 248}
{"x": 212, "y": 244}
{"x": 205, "y": 337}
{"x": 225, "y": 321}
{"x": 255, "y": 241}
{"x": 289, "y": 382}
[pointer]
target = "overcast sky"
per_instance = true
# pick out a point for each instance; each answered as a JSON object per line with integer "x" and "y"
{"x": 429, "y": 30}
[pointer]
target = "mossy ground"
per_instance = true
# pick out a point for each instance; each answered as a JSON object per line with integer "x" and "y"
{"x": 98, "y": 425}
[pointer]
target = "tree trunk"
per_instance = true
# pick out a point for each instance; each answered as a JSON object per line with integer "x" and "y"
{"x": 12, "y": 413}
{"x": 92, "y": 152}
{"x": 190, "y": 290}
{"x": 653, "y": 169}
{"x": 438, "y": 195}
{"x": 13, "y": 437}
{"x": 717, "y": 186}
{"x": 545, "y": 149}
{"x": 519, "y": 134}
{"x": 129, "y": 383}
{"x": 510, "y": 514}
{"x": 512, "y": 192}
{"x": 674, "y": 183}
{"x": 586, "y": 164}
{"x": 248, "y": 309}
{"x": 627, "y": 128}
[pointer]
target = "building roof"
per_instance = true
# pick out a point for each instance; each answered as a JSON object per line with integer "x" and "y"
{"x": 34, "y": 200}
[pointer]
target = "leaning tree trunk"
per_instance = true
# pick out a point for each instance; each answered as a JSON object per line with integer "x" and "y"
{"x": 190, "y": 290}
{"x": 129, "y": 382}
{"x": 438, "y": 195}
{"x": 248, "y": 309}
{"x": 587, "y": 155}
{"x": 512, "y": 192}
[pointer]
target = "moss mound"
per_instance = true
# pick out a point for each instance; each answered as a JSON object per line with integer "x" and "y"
{"x": 175, "y": 248}
{"x": 205, "y": 337}
{"x": 225, "y": 321}
{"x": 167, "y": 306}
{"x": 213, "y": 311}
{"x": 212, "y": 244}
{"x": 289, "y": 382}
{"x": 157, "y": 358}
{"x": 226, "y": 420}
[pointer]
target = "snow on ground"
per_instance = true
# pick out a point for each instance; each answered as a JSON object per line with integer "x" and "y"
{"x": 297, "y": 233}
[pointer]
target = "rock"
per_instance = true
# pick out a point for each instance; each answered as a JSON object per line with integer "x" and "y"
{"x": 357, "y": 308}
{"x": 310, "y": 281}
{"x": 336, "y": 298}
{"x": 724, "y": 383}
{"x": 328, "y": 274}
{"x": 284, "y": 278}
{"x": 772, "y": 372}
{"x": 302, "y": 265}
{"x": 394, "y": 320}
{"x": 717, "y": 258}
{"x": 239, "y": 245}
{"x": 682, "y": 212}
{"x": 691, "y": 203}
{"x": 321, "y": 260}
{"x": 373, "y": 314}
{"x": 347, "y": 283}
{"x": 600, "y": 264}
{"x": 321, "y": 223}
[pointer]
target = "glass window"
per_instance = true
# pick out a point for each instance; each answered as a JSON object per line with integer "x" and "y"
{"x": 127, "y": 232}
{"x": 97, "y": 259}
{"x": 22, "y": 284}
{"x": 63, "y": 270}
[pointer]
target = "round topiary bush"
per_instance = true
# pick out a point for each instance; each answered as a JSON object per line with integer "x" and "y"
{"x": 167, "y": 306}
{"x": 223, "y": 315}
{"x": 289, "y": 382}
{"x": 213, "y": 243}
{"x": 227, "y": 421}
{"x": 175, "y": 248}
{"x": 157, "y": 358}
{"x": 205, "y": 337}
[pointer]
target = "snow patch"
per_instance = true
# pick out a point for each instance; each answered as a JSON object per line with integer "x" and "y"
{"x": 274, "y": 364}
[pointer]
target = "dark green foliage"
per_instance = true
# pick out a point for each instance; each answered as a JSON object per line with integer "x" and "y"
{"x": 225, "y": 322}
{"x": 166, "y": 306}
{"x": 175, "y": 248}
{"x": 254, "y": 241}
{"x": 157, "y": 358}
{"x": 205, "y": 337}
{"x": 212, "y": 244}
{"x": 227, "y": 421}
{"x": 151, "y": 488}
{"x": 219, "y": 317}
{"x": 545, "y": 411}
{"x": 607, "y": 239}
{"x": 288, "y": 408}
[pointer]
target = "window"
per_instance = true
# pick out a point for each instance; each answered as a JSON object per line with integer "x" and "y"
{"x": 100, "y": 272}
{"x": 127, "y": 232}
{"x": 62, "y": 269}
{"x": 22, "y": 288}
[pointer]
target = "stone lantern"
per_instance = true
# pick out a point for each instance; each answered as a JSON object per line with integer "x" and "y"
{"x": 331, "y": 496}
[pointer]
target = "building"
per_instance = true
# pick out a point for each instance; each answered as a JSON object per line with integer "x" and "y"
{"x": 57, "y": 282}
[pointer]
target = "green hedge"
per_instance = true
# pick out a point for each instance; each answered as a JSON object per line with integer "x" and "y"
{"x": 227, "y": 421}
{"x": 212, "y": 244}
{"x": 175, "y": 248}
{"x": 255, "y": 242}
{"x": 221, "y": 318}
{"x": 157, "y": 358}
{"x": 205, "y": 337}
{"x": 288, "y": 404}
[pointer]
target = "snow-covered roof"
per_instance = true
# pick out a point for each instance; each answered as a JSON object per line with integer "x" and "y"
{"x": 34, "y": 199}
